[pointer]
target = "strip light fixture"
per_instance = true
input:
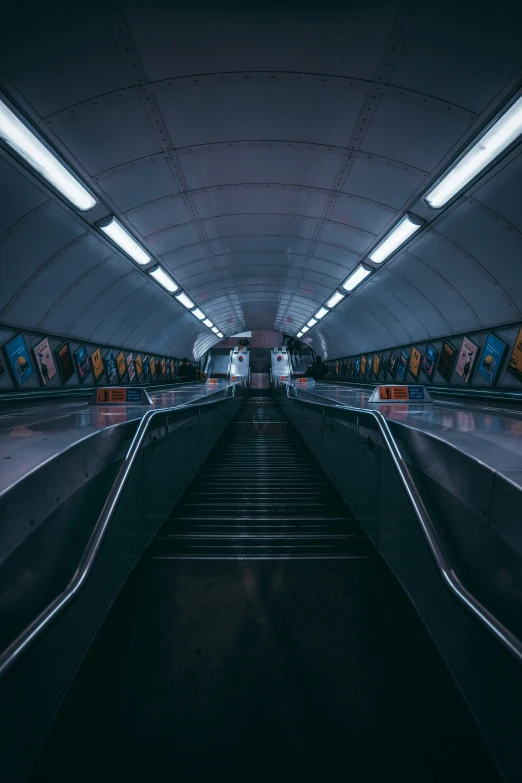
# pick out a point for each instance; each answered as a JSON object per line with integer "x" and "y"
{"x": 312, "y": 322}
{"x": 335, "y": 299}
{"x": 401, "y": 232}
{"x": 503, "y": 132}
{"x": 208, "y": 323}
{"x": 299, "y": 334}
{"x": 185, "y": 301}
{"x": 163, "y": 279}
{"x": 24, "y": 141}
{"x": 356, "y": 278}
{"x": 215, "y": 330}
{"x": 200, "y": 315}
{"x": 305, "y": 329}
{"x": 220, "y": 334}
{"x": 321, "y": 313}
{"x": 125, "y": 241}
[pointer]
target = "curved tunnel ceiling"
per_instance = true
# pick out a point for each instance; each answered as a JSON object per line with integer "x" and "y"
{"x": 258, "y": 159}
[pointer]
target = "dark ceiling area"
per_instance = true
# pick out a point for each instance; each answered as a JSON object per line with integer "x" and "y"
{"x": 259, "y": 157}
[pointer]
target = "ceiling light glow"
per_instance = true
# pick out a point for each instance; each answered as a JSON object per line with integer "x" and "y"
{"x": 335, "y": 299}
{"x": 321, "y": 313}
{"x": 305, "y": 329}
{"x": 121, "y": 237}
{"x": 356, "y": 278}
{"x": 215, "y": 330}
{"x": 208, "y": 323}
{"x": 404, "y": 229}
{"x": 26, "y": 144}
{"x": 312, "y": 322}
{"x": 504, "y": 131}
{"x": 185, "y": 301}
{"x": 299, "y": 334}
{"x": 199, "y": 314}
{"x": 164, "y": 279}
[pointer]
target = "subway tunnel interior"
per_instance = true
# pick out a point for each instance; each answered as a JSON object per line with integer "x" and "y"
{"x": 255, "y": 159}
{"x": 259, "y": 156}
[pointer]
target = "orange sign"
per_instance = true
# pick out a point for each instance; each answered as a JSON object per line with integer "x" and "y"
{"x": 111, "y": 395}
{"x": 393, "y": 392}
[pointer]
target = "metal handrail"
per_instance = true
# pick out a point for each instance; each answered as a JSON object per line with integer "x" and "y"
{"x": 14, "y": 651}
{"x": 448, "y": 575}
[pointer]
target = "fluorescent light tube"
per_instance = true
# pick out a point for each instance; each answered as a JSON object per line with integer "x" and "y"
{"x": 220, "y": 334}
{"x": 335, "y": 299}
{"x": 215, "y": 330}
{"x": 208, "y": 323}
{"x": 321, "y": 313}
{"x": 164, "y": 279}
{"x": 404, "y": 229}
{"x": 299, "y": 334}
{"x": 25, "y": 142}
{"x": 357, "y": 276}
{"x": 312, "y": 322}
{"x": 199, "y": 314}
{"x": 185, "y": 301}
{"x": 121, "y": 237}
{"x": 305, "y": 329}
{"x": 500, "y": 135}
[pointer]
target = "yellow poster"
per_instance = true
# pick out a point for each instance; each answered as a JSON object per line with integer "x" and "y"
{"x": 152, "y": 365}
{"x": 376, "y": 363}
{"x": 122, "y": 367}
{"x": 363, "y": 365}
{"x": 415, "y": 361}
{"x": 163, "y": 367}
{"x": 172, "y": 368}
{"x": 139, "y": 365}
{"x": 97, "y": 364}
{"x": 515, "y": 363}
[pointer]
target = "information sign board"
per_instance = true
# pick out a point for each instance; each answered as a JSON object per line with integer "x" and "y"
{"x": 390, "y": 392}
{"x": 118, "y": 395}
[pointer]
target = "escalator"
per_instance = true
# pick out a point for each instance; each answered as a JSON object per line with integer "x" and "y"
{"x": 262, "y": 638}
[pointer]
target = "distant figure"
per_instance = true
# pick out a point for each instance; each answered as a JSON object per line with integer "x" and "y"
{"x": 318, "y": 370}
{"x": 187, "y": 372}
{"x": 296, "y": 348}
{"x": 244, "y": 342}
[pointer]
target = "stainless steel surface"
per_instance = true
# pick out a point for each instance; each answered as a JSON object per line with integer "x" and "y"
{"x": 9, "y": 656}
{"x": 427, "y": 526}
{"x": 240, "y": 363}
{"x": 280, "y": 364}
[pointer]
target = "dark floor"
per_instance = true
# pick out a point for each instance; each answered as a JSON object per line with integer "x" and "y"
{"x": 263, "y": 670}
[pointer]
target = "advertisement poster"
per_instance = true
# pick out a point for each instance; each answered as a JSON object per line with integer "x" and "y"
{"x": 491, "y": 359}
{"x": 415, "y": 363}
{"x": 447, "y": 356}
{"x": 82, "y": 363}
{"x": 97, "y": 364}
{"x": 146, "y": 366}
{"x": 376, "y": 364}
{"x": 515, "y": 362}
{"x": 139, "y": 366}
{"x": 44, "y": 360}
{"x": 120, "y": 364}
{"x": 363, "y": 365}
{"x": 65, "y": 361}
{"x": 357, "y": 366}
{"x": 392, "y": 369}
{"x": 173, "y": 368}
{"x": 429, "y": 361}
{"x": 369, "y": 366}
{"x": 163, "y": 367}
{"x": 152, "y": 367}
{"x": 385, "y": 364}
{"x": 402, "y": 364}
{"x": 19, "y": 359}
{"x": 110, "y": 367}
{"x": 467, "y": 355}
{"x": 130, "y": 367}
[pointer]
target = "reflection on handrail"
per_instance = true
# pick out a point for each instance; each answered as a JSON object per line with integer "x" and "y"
{"x": 448, "y": 575}
{"x": 12, "y": 653}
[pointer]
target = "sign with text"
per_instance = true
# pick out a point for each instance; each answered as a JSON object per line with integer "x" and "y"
{"x": 214, "y": 381}
{"x": 305, "y": 381}
{"x": 393, "y": 393}
{"x": 121, "y": 396}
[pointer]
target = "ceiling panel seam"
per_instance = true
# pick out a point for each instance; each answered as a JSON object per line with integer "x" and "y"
{"x": 143, "y": 87}
{"x": 496, "y": 216}
{"x": 403, "y": 305}
{"x": 260, "y": 143}
{"x": 393, "y": 317}
{"x": 109, "y": 313}
{"x": 130, "y": 54}
{"x": 20, "y": 223}
{"x": 153, "y": 296}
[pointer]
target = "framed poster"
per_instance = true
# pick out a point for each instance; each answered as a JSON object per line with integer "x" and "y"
{"x": 385, "y": 364}
{"x": 447, "y": 356}
{"x": 152, "y": 367}
{"x": 97, "y": 364}
{"x": 428, "y": 361}
{"x": 19, "y": 360}
{"x": 163, "y": 368}
{"x": 376, "y": 364}
{"x": 402, "y": 364}
{"x": 1, "y": 367}
{"x": 110, "y": 367}
{"x": 363, "y": 365}
{"x": 173, "y": 368}
{"x": 515, "y": 361}
{"x": 65, "y": 361}
{"x": 467, "y": 355}
{"x": 392, "y": 368}
{"x": 82, "y": 363}
{"x": 146, "y": 367}
{"x": 130, "y": 367}
{"x": 369, "y": 365}
{"x": 44, "y": 361}
{"x": 138, "y": 364}
{"x": 356, "y": 367}
{"x": 491, "y": 359}
{"x": 415, "y": 363}
{"x": 120, "y": 364}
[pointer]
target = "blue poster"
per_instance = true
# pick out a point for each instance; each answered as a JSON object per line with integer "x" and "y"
{"x": 19, "y": 359}
{"x": 491, "y": 358}
{"x": 402, "y": 367}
